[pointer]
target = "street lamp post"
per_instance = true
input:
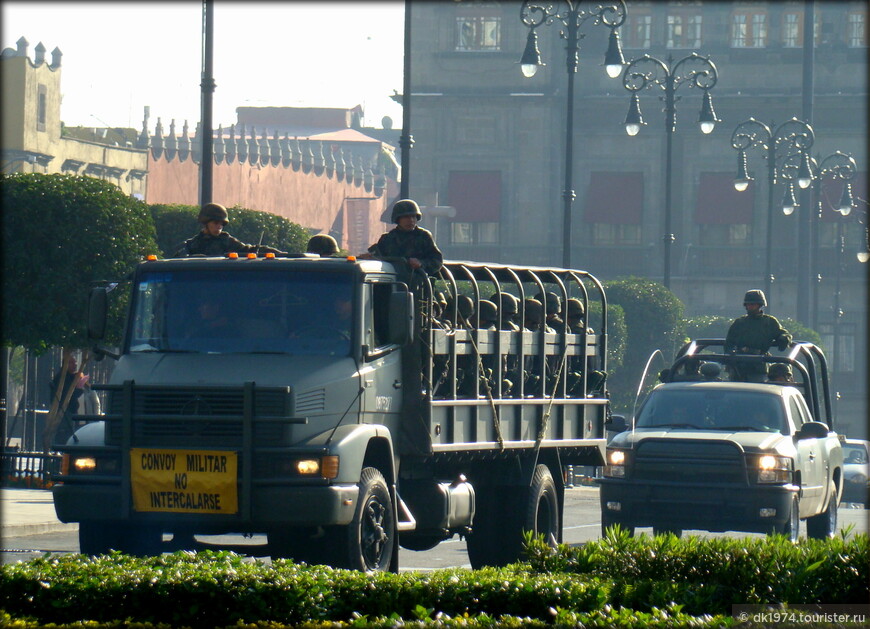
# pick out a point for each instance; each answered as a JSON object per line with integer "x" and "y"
{"x": 837, "y": 165}
{"x": 789, "y": 141}
{"x": 571, "y": 16}
{"x": 647, "y": 71}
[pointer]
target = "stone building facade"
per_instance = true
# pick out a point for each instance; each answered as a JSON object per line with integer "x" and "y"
{"x": 491, "y": 144}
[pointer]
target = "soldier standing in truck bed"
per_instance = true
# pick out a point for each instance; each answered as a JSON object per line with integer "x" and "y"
{"x": 408, "y": 241}
{"x": 212, "y": 240}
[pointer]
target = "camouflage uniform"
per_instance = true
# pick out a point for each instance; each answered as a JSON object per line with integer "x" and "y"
{"x": 417, "y": 243}
{"x": 208, "y": 245}
{"x": 755, "y": 333}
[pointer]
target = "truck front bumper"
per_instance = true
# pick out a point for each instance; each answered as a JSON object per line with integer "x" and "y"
{"x": 269, "y": 506}
{"x": 708, "y": 507}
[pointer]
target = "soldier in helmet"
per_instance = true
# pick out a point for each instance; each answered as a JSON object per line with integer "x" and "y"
{"x": 554, "y": 306}
{"x": 755, "y": 333}
{"x": 212, "y": 240}
{"x": 487, "y": 315}
{"x": 323, "y": 245}
{"x": 408, "y": 241}
{"x": 780, "y": 372}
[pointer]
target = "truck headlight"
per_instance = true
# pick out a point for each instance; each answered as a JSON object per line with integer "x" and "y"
{"x": 325, "y": 467}
{"x": 615, "y": 463}
{"x": 772, "y": 468}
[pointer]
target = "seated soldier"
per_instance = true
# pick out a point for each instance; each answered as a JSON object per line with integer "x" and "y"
{"x": 781, "y": 373}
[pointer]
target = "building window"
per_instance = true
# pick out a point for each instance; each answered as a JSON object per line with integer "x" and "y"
{"x": 639, "y": 31}
{"x": 725, "y": 235}
{"x": 474, "y": 233}
{"x": 41, "y": 107}
{"x": 842, "y": 343}
{"x": 793, "y": 29}
{"x": 856, "y": 32}
{"x": 684, "y": 31}
{"x": 476, "y": 32}
{"x": 606, "y": 234}
{"x": 748, "y": 29}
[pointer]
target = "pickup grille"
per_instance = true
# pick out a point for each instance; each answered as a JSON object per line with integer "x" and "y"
{"x": 699, "y": 462}
{"x": 201, "y": 416}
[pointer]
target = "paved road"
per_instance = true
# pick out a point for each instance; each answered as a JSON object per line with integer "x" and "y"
{"x": 30, "y": 529}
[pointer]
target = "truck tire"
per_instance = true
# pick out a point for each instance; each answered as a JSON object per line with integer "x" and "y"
{"x": 791, "y": 528}
{"x": 503, "y": 513}
{"x": 824, "y": 525}
{"x": 368, "y": 542}
{"x": 98, "y": 538}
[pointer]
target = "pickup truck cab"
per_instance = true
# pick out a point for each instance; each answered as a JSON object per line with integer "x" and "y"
{"x": 708, "y": 453}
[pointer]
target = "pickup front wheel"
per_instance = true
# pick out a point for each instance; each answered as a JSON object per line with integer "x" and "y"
{"x": 824, "y": 525}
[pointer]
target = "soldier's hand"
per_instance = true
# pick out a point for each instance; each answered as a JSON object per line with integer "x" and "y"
{"x": 414, "y": 263}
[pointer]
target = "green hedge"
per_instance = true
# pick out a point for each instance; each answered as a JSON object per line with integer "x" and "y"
{"x": 708, "y": 575}
{"x": 616, "y": 581}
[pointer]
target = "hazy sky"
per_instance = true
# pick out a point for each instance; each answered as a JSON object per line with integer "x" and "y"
{"x": 120, "y": 56}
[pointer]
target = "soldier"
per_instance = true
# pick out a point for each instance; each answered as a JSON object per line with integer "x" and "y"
{"x": 487, "y": 315}
{"x": 780, "y": 372}
{"x": 575, "y": 315}
{"x": 534, "y": 316}
{"x": 213, "y": 240}
{"x": 408, "y": 241}
{"x": 755, "y": 333}
{"x": 554, "y": 307}
{"x": 509, "y": 306}
{"x": 323, "y": 245}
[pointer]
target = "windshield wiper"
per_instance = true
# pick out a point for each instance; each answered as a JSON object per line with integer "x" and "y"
{"x": 670, "y": 426}
{"x": 743, "y": 428}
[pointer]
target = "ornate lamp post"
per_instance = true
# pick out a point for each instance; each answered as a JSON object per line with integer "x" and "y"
{"x": 571, "y": 17}
{"x": 789, "y": 141}
{"x": 647, "y": 71}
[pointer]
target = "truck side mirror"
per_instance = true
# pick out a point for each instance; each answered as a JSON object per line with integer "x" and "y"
{"x": 97, "y": 313}
{"x": 401, "y": 317}
{"x": 616, "y": 423}
{"x": 812, "y": 430}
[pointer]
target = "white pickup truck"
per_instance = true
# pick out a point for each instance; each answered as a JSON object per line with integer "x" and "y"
{"x": 711, "y": 453}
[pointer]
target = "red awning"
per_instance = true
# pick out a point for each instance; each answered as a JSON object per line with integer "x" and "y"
{"x": 614, "y": 198}
{"x": 720, "y": 204}
{"x": 476, "y": 195}
{"x": 832, "y": 192}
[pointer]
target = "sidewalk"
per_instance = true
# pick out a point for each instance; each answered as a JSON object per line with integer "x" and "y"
{"x": 28, "y": 512}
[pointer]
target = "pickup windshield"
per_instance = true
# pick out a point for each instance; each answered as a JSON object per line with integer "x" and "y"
{"x": 242, "y": 311}
{"x": 734, "y": 411}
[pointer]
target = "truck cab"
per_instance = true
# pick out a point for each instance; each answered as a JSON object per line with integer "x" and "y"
{"x": 708, "y": 452}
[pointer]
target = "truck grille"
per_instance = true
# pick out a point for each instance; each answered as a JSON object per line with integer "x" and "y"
{"x": 206, "y": 417}
{"x": 689, "y": 461}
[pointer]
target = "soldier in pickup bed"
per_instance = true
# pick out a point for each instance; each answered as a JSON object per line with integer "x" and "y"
{"x": 755, "y": 333}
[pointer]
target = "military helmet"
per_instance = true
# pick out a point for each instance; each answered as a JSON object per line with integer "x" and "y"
{"x": 465, "y": 306}
{"x": 322, "y": 244}
{"x": 534, "y": 311}
{"x": 213, "y": 212}
{"x": 575, "y": 308}
{"x": 406, "y": 207}
{"x": 487, "y": 311}
{"x": 779, "y": 370}
{"x": 755, "y": 296}
{"x": 553, "y": 301}
{"x": 509, "y": 304}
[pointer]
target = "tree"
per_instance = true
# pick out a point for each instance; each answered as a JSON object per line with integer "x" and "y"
{"x": 654, "y": 320}
{"x": 61, "y": 233}
{"x": 175, "y": 223}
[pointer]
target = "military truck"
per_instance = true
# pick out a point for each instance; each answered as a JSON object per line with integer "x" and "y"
{"x": 707, "y": 450}
{"x": 336, "y": 406}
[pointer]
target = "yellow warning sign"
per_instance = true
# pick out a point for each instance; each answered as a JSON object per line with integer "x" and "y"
{"x": 183, "y": 481}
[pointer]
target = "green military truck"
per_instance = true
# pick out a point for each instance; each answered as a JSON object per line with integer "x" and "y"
{"x": 709, "y": 451}
{"x": 335, "y": 406}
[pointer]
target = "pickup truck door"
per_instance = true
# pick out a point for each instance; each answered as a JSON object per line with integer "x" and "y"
{"x": 810, "y": 453}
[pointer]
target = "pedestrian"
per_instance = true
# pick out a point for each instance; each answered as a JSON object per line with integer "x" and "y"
{"x": 323, "y": 245}
{"x": 212, "y": 240}
{"x": 755, "y": 333}
{"x": 60, "y": 386}
{"x": 408, "y": 241}
{"x": 89, "y": 402}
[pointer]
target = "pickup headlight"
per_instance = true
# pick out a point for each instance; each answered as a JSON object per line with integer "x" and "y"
{"x": 615, "y": 463}
{"x": 772, "y": 468}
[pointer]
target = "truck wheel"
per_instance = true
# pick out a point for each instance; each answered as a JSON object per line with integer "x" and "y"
{"x": 503, "y": 514}
{"x": 791, "y": 528}
{"x": 824, "y": 525}
{"x": 368, "y": 542}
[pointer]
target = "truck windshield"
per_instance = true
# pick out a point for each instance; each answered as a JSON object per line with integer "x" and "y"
{"x": 242, "y": 311}
{"x": 736, "y": 411}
